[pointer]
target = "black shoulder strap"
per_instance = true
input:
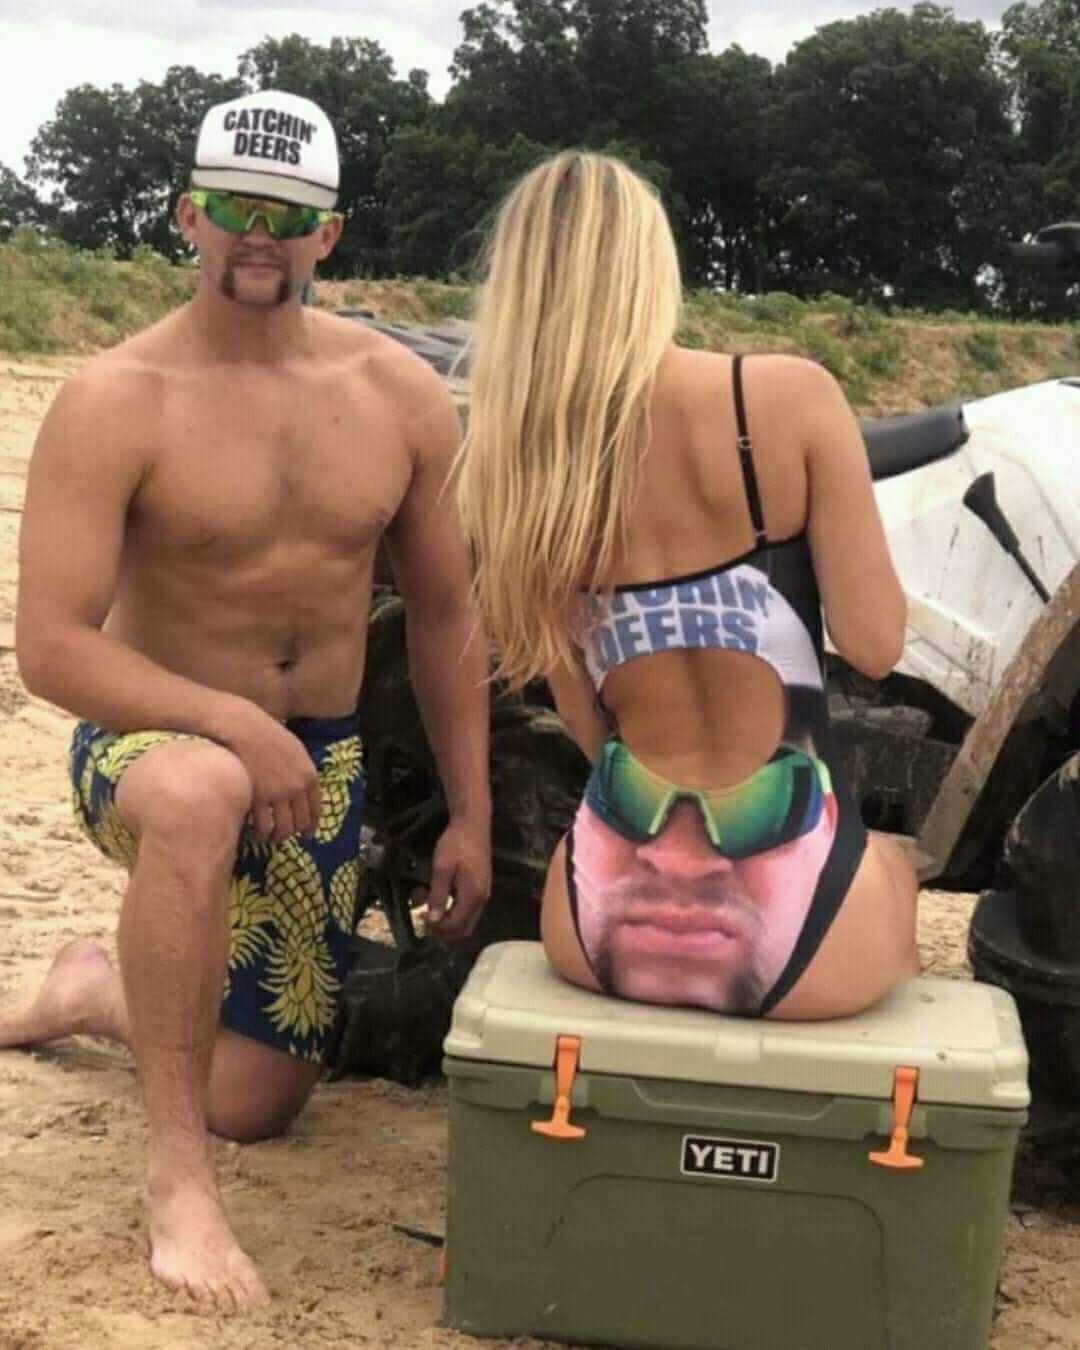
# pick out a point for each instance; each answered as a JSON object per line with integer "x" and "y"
{"x": 746, "y": 458}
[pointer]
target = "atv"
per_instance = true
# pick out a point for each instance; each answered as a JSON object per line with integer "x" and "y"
{"x": 967, "y": 751}
{"x": 981, "y": 503}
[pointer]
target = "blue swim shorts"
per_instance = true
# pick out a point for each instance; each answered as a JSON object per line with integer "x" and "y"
{"x": 292, "y": 906}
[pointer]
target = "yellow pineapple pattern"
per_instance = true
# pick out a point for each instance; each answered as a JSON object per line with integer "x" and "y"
{"x": 86, "y": 782}
{"x": 299, "y": 970}
{"x": 114, "y": 838}
{"x": 81, "y": 798}
{"x": 337, "y": 774}
{"x": 250, "y": 910}
{"x": 126, "y": 749}
{"x": 343, "y": 887}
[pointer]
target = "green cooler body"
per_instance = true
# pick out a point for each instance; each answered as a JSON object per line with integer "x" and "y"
{"x": 702, "y": 1182}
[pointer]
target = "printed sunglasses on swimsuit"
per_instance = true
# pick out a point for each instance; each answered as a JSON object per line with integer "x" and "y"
{"x": 778, "y": 804}
{"x": 237, "y": 214}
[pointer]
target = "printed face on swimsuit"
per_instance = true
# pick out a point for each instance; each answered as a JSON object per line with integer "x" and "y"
{"x": 667, "y": 916}
{"x": 778, "y": 804}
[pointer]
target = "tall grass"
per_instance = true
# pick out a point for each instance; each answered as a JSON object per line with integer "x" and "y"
{"x": 54, "y": 297}
{"x": 57, "y": 298}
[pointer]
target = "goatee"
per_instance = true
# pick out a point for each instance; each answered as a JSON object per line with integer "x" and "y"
{"x": 280, "y": 297}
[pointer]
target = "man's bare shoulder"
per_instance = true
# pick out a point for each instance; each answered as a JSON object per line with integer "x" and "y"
{"x": 128, "y": 378}
{"x": 396, "y": 372}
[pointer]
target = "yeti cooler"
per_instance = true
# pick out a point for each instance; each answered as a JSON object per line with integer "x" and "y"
{"x": 631, "y": 1175}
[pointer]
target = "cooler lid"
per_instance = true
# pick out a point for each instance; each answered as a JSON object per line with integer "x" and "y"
{"x": 963, "y": 1037}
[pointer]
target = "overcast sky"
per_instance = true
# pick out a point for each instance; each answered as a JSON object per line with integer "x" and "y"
{"x": 49, "y": 46}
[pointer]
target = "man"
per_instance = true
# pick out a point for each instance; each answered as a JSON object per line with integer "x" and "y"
{"x": 203, "y": 508}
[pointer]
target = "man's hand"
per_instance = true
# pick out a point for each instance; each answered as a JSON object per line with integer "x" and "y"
{"x": 286, "y": 798}
{"x": 461, "y": 868}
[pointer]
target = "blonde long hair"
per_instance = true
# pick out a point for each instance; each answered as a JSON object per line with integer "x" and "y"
{"x": 581, "y": 299}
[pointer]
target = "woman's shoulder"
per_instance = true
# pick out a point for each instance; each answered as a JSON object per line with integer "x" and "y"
{"x": 694, "y": 373}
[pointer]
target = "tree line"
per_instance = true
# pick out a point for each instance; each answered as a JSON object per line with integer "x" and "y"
{"x": 887, "y": 157}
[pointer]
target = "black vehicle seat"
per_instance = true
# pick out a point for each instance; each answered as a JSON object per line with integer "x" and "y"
{"x": 898, "y": 444}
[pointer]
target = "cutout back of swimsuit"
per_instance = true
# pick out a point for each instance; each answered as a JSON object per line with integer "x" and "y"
{"x": 764, "y": 602}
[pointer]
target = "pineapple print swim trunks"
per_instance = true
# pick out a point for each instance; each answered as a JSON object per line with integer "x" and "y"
{"x": 292, "y": 906}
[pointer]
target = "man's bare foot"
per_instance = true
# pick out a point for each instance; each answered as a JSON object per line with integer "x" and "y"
{"x": 81, "y": 994}
{"x": 193, "y": 1251}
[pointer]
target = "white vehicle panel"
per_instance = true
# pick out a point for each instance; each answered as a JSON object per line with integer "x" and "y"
{"x": 969, "y": 603}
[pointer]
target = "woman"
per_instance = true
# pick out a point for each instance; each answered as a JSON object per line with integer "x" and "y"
{"x": 657, "y": 531}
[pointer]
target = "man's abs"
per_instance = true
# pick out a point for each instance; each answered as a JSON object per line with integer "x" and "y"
{"x": 293, "y": 642}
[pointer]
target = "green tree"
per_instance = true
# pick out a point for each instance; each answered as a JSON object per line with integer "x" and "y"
{"x": 628, "y": 52}
{"x": 116, "y": 159}
{"x": 88, "y": 155}
{"x": 514, "y": 72}
{"x": 1040, "y": 47}
{"x": 715, "y": 140}
{"x": 353, "y": 80}
{"x": 439, "y": 188}
{"x": 894, "y": 151}
{"x": 570, "y": 71}
{"x": 19, "y": 204}
{"x": 170, "y": 114}
{"x": 442, "y": 189}
{"x": 593, "y": 73}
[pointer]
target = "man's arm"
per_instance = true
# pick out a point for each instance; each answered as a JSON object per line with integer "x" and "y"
{"x": 88, "y": 463}
{"x": 448, "y": 652}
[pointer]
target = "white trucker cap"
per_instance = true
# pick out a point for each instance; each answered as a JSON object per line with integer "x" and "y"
{"x": 269, "y": 144}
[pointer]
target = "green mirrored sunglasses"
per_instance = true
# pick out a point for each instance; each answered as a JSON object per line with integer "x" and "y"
{"x": 781, "y": 802}
{"x": 237, "y": 215}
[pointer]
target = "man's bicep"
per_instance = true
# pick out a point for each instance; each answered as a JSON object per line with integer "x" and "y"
{"x": 83, "y": 474}
{"x": 425, "y": 541}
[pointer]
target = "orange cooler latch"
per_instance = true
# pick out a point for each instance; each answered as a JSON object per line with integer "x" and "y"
{"x": 905, "y": 1082}
{"x": 567, "y": 1059}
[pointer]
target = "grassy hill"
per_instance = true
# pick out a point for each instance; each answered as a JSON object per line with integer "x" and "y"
{"x": 54, "y": 298}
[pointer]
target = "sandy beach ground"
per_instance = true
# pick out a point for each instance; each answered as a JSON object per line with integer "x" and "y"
{"x": 321, "y": 1210}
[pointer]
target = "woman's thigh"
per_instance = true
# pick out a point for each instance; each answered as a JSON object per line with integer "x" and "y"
{"x": 870, "y": 945}
{"x": 557, "y": 929}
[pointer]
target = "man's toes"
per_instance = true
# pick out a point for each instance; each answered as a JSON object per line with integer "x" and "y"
{"x": 225, "y": 1298}
{"x": 209, "y": 1297}
{"x": 259, "y": 1295}
{"x": 249, "y": 1290}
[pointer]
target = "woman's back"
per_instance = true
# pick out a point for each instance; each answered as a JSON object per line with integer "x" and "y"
{"x": 711, "y": 712}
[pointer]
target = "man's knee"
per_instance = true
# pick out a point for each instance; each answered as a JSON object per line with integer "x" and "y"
{"x": 256, "y": 1092}
{"x": 188, "y": 792}
{"x": 248, "y": 1123}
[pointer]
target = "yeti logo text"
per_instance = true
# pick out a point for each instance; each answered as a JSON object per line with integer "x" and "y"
{"x": 741, "y": 1159}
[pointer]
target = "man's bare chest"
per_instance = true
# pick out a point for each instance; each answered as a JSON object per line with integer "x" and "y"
{"x": 234, "y": 476}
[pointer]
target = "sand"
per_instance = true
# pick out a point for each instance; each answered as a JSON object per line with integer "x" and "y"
{"x": 321, "y": 1210}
